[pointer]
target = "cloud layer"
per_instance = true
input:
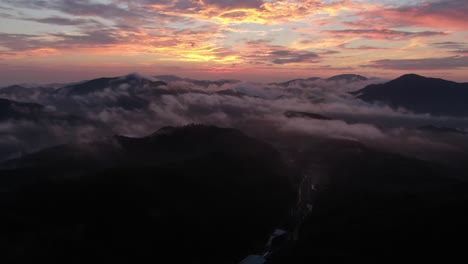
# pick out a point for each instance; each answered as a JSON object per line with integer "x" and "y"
{"x": 137, "y": 105}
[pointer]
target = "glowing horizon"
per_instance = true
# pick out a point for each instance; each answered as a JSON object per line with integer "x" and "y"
{"x": 257, "y": 40}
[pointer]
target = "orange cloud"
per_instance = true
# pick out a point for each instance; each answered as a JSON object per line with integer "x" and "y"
{"x": 211, "y": 34}
{"x": 232, "y": 12}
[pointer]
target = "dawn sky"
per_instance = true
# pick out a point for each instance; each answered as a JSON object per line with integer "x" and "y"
{"x": 261, "y": 40}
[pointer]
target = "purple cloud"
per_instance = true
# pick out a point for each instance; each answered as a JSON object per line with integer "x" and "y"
{"x": 385, "y": 33}
{"x": 421, "y": 64}
{"x": 288, "y": 56}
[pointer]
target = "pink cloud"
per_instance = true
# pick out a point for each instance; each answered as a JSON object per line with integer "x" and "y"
{"x": 439, "y": 14}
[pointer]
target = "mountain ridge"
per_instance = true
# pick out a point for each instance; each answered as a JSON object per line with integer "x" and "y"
{"x": 422, "y": 95}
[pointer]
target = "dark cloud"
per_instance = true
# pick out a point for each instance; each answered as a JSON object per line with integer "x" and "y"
{"x": 80, "y": 8}
{"x": 184, "y": 4}
{"x": 102, "y": 37}
{"x": 63, "y": 21}
{"x": 259, "y": 41}
{"x": 261, "y": 52}
{"x": 190, "y": 6}
{"x": 55, "y": 20}
{"x": 288, "y": 56}
{"x": 24, "y": 42}
{"x": 454, "y": 9}
{"x": 232, "y": 4}
{"x": 385, "y": 33}
{"x": 329, "y": 52}
{"x": 236, "y": 15}
{"x": 421, "y": 64}
{"x": 21, "y": 42}
{"x": 449, "y": 45}
{"x": 6, "y": 15}
{"x": 361, "y": 47}
{"x": 454, "y": 47}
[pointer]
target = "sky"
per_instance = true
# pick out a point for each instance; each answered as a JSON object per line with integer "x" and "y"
{"x": 51, "y": 41}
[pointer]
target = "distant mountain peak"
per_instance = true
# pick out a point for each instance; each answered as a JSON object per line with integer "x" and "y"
{"x": 203, "y": 83}
{"x": 138, "y": 76}
{"x": 412, "y": 76}
{"x": 420, "y": 94}
{"x": 134, "y": 80}
{"x": 308, "y": 81}
{"x": 347, "y": 77}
